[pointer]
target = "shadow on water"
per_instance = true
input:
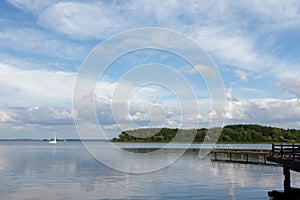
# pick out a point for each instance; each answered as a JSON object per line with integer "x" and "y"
{"x": 293, "y": 194}
{"x": 288, "y": 192}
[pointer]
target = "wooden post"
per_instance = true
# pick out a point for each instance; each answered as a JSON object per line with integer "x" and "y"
{"x": 230, "y": 156}
{"x": 287, "y": 179}
{"x": 246, "y": 157}
{"x": 293, "y": 151}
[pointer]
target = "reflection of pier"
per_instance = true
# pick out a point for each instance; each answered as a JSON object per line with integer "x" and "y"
{"x": 240, "y": 156}
{"x": 288, "y": 155}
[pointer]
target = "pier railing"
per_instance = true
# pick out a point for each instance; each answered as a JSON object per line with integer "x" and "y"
{"x": 285, "y": 151}
{"x": 239, "y": 156}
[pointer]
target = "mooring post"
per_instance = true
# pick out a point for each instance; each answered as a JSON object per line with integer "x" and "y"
{"x": 287, "y": 179}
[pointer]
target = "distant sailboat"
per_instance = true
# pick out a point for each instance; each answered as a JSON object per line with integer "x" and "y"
{"x": 53, "y": 141}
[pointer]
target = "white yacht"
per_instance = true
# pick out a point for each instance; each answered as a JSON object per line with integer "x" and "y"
{"x": 53, "y": 141}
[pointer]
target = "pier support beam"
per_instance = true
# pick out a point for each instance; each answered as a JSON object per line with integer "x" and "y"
{"x": 287, "y": 179}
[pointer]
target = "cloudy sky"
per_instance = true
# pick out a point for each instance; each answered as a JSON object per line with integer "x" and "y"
{"x": 255, "y": 46}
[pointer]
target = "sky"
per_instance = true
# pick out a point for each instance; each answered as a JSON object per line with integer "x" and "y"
{"x": 254, "y": 45}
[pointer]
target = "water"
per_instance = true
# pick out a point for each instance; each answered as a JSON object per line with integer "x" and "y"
{"x": 38, "y": 170}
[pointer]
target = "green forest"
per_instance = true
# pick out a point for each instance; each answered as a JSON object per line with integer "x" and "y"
{"x": 241, "y": 133}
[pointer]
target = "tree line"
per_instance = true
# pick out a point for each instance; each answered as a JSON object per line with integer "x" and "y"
{"x": 241, "y": 133}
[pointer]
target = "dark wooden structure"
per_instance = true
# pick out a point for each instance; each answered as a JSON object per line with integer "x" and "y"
{"x": 288, "y": 155}
{"x": 239, "y": 156}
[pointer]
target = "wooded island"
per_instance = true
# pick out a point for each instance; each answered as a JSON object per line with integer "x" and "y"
{"x": 241, "y": 133}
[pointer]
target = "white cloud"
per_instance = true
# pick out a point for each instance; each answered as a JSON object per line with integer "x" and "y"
{"x": 56, "y": 87}
{"x": 287, "y": 13}
{"x": 5, "y": 117}
{"x": 236, "y": 49}
{"x": 290, "y": 85}
{"x": 205, "y": 71}
{"x": 216, "y": 25}
{"x": 243, "y": 76}
{"x": 235, "y": 112}
{"x": 20, "y": 87}
{"x": 92, "y": 20}
{"x": 147, "y": 106}
{"x": 276, "y": 112}
{"x": 229, "y": 96}
{"x": 43, "y": 115}
{"x": 33, "y": 41}
{"x": 240, "y": 49}
{"x": 31, "y": 5}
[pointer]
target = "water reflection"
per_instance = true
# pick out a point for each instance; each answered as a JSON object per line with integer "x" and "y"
{"x": 66, "y": 171}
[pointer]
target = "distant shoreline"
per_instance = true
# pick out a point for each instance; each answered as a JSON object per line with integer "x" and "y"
{"x": 239, "y": 133}
{"x": 59, "y": 140}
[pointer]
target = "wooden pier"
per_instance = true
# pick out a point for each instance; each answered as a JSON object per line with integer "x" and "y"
{"x": 240, "y": 156}
{"x": 287, "y": 155}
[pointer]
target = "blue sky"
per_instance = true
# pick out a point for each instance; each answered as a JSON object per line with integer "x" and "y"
{"x": 255, "y": 46}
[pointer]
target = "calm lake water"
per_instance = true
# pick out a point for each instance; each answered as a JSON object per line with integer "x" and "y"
{"x": 38, "y": 170}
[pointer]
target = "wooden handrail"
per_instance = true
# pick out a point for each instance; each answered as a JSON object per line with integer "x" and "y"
{"x": 285, "y": 151}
